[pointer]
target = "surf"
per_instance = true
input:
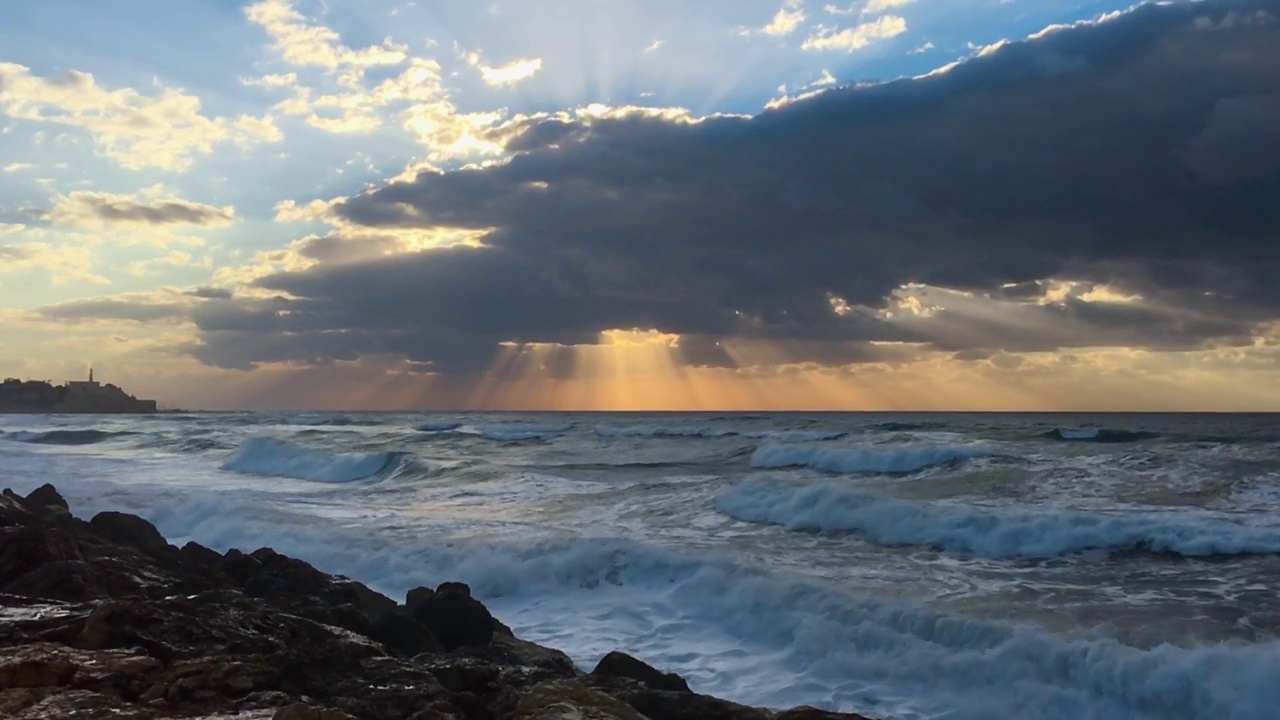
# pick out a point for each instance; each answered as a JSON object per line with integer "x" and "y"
{"x": 1000, "y": 533}
{"x": 271, "y": 457}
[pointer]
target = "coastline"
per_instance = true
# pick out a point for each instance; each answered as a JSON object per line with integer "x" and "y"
{"x": 104, "y": 618}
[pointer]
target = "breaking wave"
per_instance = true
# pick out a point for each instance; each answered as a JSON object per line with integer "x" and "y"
{"x": 437, "y": 427}
{"x": 863, "y": 459}
{"x": 268, "y": 456}
{"x": 991, "y": 532}
{"x": 1100, "y": 435}
{"x": 797, "y": 436}
{"x": 878, "y": 657}
{"x": 65, "y": 437}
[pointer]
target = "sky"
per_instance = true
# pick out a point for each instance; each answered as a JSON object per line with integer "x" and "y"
{"x": 617, "y": 205}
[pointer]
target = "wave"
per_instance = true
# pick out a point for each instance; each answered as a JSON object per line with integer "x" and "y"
{"x": 895, "y": 459}
{"x": 437, "y": 427}
{"x": 268, "y": 456}
{"x": 808, "y": 640}
{"x": 797, "y": 436}
{"x": 989, "y": 532}
{"x": 1100, "y": 435}
{"x": 660, "y": 431}
{"x": 521, "y": 433}
{"x": 66, "y": 437}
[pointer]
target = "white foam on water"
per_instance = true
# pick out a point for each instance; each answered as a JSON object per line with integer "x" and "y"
{"x": 272, "y": 457}
{"x": 994, "y": 532}
{"x": 752, "y": 636}
{"x": 905, "y": 458}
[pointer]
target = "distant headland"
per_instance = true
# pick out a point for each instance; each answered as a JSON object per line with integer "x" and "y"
{"x": 75, "y": 396}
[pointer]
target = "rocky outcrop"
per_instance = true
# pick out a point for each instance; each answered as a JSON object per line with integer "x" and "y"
{"x": 106, "y": 619}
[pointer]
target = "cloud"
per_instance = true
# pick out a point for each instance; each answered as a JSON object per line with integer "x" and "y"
{"x": 210, "y": 293}
{"x": 17, "y": 167}
{"x": 136, "y": 309}
{"x": 305, "y": 44}
{"x": 1085, "y": 189}
{"x": 165, "y": 130}
{"x": 857, "y": 37}
{"x": 507, "y": 75}
{"x": 785, "y": 21}
{"x": 64, "y": 263}
{"x": 84, "y": 209}
{"x": 653, "y": 46}
{"x": 874, "y": 7}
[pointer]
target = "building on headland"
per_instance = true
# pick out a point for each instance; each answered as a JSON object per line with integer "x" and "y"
{"x": 75, "y": 396}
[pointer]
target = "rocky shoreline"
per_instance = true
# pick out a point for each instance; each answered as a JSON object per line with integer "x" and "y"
{"x": 105, "y": 619}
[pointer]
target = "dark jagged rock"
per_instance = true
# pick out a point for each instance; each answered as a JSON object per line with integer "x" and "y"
{"x": 454, "y": 617}
{"x": 106, "y": 619}
{"x": 400, "y": 632}
{"x": 132, "y": 531}
{"x": 621, "y": 665}
{"x": 47, "y": 497}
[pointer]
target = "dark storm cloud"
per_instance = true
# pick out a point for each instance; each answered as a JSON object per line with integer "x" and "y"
{"x": 1142, "y": 152}
{"x": 210, "y": 293}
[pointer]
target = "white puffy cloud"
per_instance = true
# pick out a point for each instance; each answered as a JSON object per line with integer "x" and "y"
{"x": 857, "y": 37}
{"x": 165, "y": 130}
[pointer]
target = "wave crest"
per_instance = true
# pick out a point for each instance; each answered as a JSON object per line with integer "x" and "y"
{"x": 990, "y": 532}
{"x": 269, "y": 456}
{"x": 1100, "y": 435}
{"x": 896, "y": 459}
{"x": 65, "y": 437}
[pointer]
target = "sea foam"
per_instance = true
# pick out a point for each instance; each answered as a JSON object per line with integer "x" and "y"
{"x": 864, "y": 458}
{"x": 758, "y": 637}
{"x": 993, "y": 532}
{"x": 269, "y": 456}
{"x": 519, "y": 433}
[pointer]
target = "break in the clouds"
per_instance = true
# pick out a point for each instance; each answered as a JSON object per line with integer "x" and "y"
{"x": 1107, "y": 184}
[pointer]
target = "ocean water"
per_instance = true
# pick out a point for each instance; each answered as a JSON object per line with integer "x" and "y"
{"x": 958, "y": 566}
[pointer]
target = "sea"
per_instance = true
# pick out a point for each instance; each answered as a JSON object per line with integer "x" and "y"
{"x": 904, "y": 566}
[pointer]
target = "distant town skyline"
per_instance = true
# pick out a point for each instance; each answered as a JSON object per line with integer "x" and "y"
{"x": 781, "y": 204}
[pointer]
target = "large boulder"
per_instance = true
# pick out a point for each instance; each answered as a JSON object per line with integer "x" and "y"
{"x": 621, "y": 665}
{"x": 454, "y": 617}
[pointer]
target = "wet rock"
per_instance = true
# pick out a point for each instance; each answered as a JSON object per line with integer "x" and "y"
{"x": 195, "y": 555}
{"x": 133, "y": 531}
{"x": 454, "y": 617}
{"x": 621, "y": 665}
{"x": 811, "y": 713}
{"x": 572, "y": 700}
{"x": 669, "y": 705}
{"x": 47, "y": 501}
{"x": 299, "y": 711}
{"x": 400, "y": 632}
{"x": 105, "y": 619}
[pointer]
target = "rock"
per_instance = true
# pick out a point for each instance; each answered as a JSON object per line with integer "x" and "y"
{"x": 669, "y": 705}
{"x": 621, "y": 665}
{"x": 811, "y": 713}
{"x": 419, "y": 595}
{"x": 299, "y": 711}
{"x": 133, "y": 531}
{"x": 400, "y": 632}
{"x": 454, "y": 617}
{"x": 196, "y": 555}
{"x": 572, "y": 700}
{"x": 46, "y": 499}
{"x": 239, "y": 567}
{"x": 105, "y": 619}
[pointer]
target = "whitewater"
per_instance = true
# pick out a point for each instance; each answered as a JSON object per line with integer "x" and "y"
{"x": 907, "y": 567}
